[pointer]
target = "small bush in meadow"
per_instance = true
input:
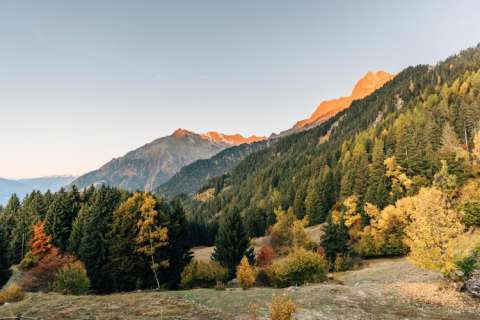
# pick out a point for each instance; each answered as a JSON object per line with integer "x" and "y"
{"x": 199, "y": 274}
{"x": 265, "y": 256}
{"x": 71, "y": 279}
{"x": 245, "y": 274}
{"x": 282, "y": 308}
{"x": 42, "y": 275}
{"x": 12, "y": 293}
{"x": 299, "y": 267}
{"x": 220, "y": 286}
{"x": 263, "y": 277}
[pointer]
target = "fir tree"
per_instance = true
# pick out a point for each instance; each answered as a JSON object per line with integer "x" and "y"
{"x": 60, "y": 216}
{"x": 377, "y": 192}
{"x": 232, "y": 242}
{"x": 178, "y": 248}
{"x": 335, "y": 241}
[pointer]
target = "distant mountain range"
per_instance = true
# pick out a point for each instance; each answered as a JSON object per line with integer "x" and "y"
{"x": 149, "y": 166}
{"x": 23, "y": 186}
{"x": 184, "y": 161}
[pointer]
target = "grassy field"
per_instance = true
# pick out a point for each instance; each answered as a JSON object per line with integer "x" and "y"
{"x": 384, "y": 289}
{"x": 204, "y": 253}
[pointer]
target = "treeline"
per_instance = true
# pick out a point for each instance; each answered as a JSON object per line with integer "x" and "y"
{"x": 402, "y": 131}
{"x": 126, "y": 241}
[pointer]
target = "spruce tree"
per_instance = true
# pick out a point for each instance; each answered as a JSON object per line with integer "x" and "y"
{"x": 232, "y": 242}
{"x": 377, "y": 192}
{"x": 178, "y": 248}
{"x": 335, "y": 241}
{"x": 60, "y": 216}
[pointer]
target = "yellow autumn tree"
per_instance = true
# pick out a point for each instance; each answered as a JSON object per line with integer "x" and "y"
{"x": 351, "y": 217}
{"x": 386, "y": 232}
{"x": 434, "y": 233}
{"x": 399, "y": 180}
{"x": 288, "y": 232}
{"x": 152, "y": 233}
{"x": 245, "y": 274}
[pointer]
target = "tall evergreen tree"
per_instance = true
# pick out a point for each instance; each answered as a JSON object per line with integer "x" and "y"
{"x": 60, "y": 216}
{"x": 377, "y": 192}
{"x": 92, "y": 249}
{"x": 127, "y": 267}
{"x": 232, "y": 243}
{"x": 178, "y": 248}
{"x": 335, "y": 241}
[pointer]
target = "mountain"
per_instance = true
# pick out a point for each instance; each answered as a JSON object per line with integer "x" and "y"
{"x": 327, "y": 109}
{"x": 195, "y": 175}
{"x": 23, "y": 186}
{"x": 149, "y": 166}
{"x": 423, "y": 115}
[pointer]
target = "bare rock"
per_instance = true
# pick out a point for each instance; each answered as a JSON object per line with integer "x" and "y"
{"x": 473, "y": 284}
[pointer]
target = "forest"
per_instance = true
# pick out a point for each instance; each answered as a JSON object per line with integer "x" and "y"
{"x": 395, "y": 174}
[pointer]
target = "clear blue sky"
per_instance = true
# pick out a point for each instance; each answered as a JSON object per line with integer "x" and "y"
{"x": 83, "y": 81}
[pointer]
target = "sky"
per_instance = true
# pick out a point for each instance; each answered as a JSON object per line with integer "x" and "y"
{"x": 82, "y": 82}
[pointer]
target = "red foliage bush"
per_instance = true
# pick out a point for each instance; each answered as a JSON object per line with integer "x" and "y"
{"x": 265, "y": 256}
{"x": 41, "y": 276}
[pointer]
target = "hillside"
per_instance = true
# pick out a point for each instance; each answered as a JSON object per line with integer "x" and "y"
{"x": 153, "y": 164}
{"x": 405, "y": 118}
{"x": 195, "y": 175}
{"x": 329, "y": 108}
{"x": 382, "y": 290}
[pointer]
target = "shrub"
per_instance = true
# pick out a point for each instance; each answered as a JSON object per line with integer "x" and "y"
{"x": 245, "y": 274}
{"x": 263, "y": 278}
{"x": 282, "y": 308}
{"x": 469, "y": 263}
{"x": 12, "y": 293}
{"x": 203, "y": 274}
{"x": 299, "y": 267}
{"x": 471, "y": 213}
{"x": 29, "y": 261}
{"x": 41, "y": 276}
{"x": 253, "y": 311}
{"x": 220, "y": 286}
{"x": 343, "y": 262}
{"x": 265, "y": 256}
{"x": 72, "y": 279}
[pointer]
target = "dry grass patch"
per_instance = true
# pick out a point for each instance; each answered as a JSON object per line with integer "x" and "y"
{"x": 437, "y": 294}
{"x": 12, "y": 293}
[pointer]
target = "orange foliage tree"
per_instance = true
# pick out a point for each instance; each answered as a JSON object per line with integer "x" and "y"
{"x": 40, "y": 243}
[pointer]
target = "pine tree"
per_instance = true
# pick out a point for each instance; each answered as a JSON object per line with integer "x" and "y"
{"x": 232, "y": 242}
{"x": 360, "y": 163}
{"x": 60, "y": 216}
{"x": 92, "y": 249}
{"x": 335, "y": 241}
{"x": 178, "y": 248}
{"x": 377, "y": 191}
{"x": 7, "y": 223}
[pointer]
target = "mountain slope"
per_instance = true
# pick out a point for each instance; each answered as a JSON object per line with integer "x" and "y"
{"x": 327, "y": 109}
{"x": 153, "y": 164}
{"x": 193, "y": 176}
{"x": 406, "y": 118}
